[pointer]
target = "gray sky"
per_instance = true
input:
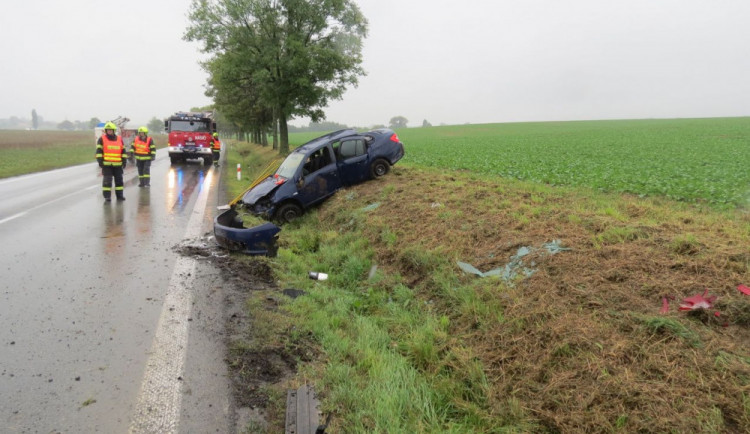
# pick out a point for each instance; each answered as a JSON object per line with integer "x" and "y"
{"x": 446, "y": 61}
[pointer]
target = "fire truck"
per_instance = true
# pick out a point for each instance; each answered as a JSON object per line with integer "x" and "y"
{"x": 190, "y": 136}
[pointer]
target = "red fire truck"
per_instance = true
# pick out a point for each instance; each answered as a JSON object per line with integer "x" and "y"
{"x": 190, "y": 136}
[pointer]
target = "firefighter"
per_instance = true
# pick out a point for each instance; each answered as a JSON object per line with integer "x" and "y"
{"x": 144, "y": 150}
{"x": 112, "y": 158}
{"x": 216, "y": 148}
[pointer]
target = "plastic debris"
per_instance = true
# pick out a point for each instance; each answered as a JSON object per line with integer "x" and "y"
{"x": 744, "y": 289}
{"x": 516, "y": 267}
{"x": 555, "y": 247}
{"x": 314, "y": 275}
{"x": 665, "y": 304}
{"x": 292, "y": 292}
{"x": 698, "y": 301}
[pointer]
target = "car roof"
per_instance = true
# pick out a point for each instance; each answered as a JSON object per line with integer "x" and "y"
{"x": 315, "y": 143}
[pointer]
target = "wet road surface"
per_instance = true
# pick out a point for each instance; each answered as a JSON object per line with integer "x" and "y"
{"x": 83, "y": 290}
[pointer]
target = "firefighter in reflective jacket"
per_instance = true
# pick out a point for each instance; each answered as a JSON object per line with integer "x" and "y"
{"x": 216, "y": 148}
{"x": 144, "y": 150}
{"x": 110, "y": 153}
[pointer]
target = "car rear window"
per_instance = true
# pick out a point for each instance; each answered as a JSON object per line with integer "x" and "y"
{"x": 352, "y": 148}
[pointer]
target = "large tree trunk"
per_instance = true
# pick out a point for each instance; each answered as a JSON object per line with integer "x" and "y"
{"x": 284, "y": 133}
{"x": 275, "y": 124}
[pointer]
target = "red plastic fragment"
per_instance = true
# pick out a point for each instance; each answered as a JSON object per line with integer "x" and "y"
{"x": 744, "y": 289}
{"x": 664, "y": 305}
{"x": 698, "y": 302}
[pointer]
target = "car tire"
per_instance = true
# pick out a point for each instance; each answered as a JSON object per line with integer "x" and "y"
{"x": 379, "y": 168}
{"x": 173, "y": 159}
{"x": 207, "y": 161}
{"x": 288, "y": 212}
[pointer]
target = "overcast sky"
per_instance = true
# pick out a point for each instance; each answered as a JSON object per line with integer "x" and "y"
{"x": 446, "y": 61}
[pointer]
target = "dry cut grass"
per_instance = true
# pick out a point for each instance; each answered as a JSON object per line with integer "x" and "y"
{"x": 580, "y": 345}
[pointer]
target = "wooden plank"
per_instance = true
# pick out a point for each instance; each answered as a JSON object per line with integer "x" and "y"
{"x": 302, "y": 414}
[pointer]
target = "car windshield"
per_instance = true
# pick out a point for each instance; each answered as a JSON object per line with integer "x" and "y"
{"x": 290, "y": 165}
{"x": 196, "y": 126}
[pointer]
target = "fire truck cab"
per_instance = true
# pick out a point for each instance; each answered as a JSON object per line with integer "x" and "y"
{"x": 190, "y": 136}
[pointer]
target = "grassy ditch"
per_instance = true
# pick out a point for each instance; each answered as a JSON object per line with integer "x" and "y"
{"x": 401, "y": 339}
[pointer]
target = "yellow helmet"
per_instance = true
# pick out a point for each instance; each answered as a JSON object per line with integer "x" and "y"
{"x": 216, "y": 134}
{"x": 143, "y": 130}
{"x": 110, "y": 126}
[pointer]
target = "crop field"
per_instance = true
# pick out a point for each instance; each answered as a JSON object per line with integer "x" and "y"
{"x": 34, "y": 151}
{"x": 691, "y": 160}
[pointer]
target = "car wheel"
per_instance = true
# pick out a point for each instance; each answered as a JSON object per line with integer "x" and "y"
{"x": 379, "y": 168}
{"x": 288, "y": 212}
{"x": 173, "y": 159}
{"x": 208, "y": 160}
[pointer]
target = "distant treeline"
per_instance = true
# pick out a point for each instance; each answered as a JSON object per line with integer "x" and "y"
{"x": 16, "y": 123}
{"x": 313, "y": 127}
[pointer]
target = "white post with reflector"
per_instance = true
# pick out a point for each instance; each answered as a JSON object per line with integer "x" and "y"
{"x": 239, "y": 172}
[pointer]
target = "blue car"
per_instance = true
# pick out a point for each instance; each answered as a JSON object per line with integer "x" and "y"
{"x": 309, "y": 175}
{"x": 316, "y": 170}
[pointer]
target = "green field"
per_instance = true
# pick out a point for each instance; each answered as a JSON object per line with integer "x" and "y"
{"x": 692, "y": 160}
{"x": 35, "y": 151}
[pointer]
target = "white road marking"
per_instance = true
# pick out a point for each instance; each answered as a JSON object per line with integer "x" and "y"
{"x": 158, "y": 406}
{"x": 21, "y": 214}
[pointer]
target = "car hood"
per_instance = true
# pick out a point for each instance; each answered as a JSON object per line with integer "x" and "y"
{"x": 259, "y": 191}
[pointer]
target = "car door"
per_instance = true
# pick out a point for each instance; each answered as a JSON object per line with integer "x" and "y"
{"x": 320, "y": 177}
{"x": 354, "y": 163}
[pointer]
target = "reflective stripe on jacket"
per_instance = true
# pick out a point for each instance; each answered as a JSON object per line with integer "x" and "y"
{"x": 112, "y": 150}
{"x": 143, "y": 149}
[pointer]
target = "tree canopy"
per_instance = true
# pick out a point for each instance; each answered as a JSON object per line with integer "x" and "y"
{"x": 273, "y": 60}
{"x": 398, "y": 122}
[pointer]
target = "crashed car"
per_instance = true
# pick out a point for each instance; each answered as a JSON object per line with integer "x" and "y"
{"x": 316, "y": 170}
{"x": 309, "y": 175}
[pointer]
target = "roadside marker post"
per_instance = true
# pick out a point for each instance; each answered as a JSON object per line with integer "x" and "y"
{"x": 239, "y": 172}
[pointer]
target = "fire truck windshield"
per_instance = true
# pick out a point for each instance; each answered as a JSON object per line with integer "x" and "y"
{"x": 196, "y": 126}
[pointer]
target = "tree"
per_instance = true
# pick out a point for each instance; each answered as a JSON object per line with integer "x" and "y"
{"x": 34, "y": 120}
{"x": 155, "y": 125}
{"x": 66, "y": 125}
{"x": 283, "y": 58}
{"x": 398, "y": 122}
{"x": 426, "y": 124}
{"x": 94, "y": 122}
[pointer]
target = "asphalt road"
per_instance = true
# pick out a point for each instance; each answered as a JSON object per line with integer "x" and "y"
{"x": 104, "y": 327}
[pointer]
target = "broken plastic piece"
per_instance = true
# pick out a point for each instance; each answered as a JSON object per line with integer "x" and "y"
{"x": 698, "y": 302}
{"x": 664, "y": 305}
{"x": 744, "y": 289}
{"x": 231, "y": 234}
{"x": 314, "y": 275}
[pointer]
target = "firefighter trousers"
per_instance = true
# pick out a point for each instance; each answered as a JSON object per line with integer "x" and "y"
{"x": 144, "y": 172}
{"x": 109, "y": 172}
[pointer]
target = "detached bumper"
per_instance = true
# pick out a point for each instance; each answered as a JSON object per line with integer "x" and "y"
{"x": 231, "y": 234}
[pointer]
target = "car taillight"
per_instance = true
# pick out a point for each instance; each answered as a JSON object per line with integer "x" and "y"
{"x": 279, "y": 179}
{"x": 394, "y": 138}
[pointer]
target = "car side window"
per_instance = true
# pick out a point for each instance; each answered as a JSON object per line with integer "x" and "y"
{"x": 352, "y": 148}
{"x": 317, "y": 160}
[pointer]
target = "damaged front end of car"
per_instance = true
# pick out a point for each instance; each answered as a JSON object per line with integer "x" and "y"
{"x": 231, "y": 233}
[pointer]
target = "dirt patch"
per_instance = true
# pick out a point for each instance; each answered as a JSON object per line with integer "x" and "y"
{"x": 260, "y": 358}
